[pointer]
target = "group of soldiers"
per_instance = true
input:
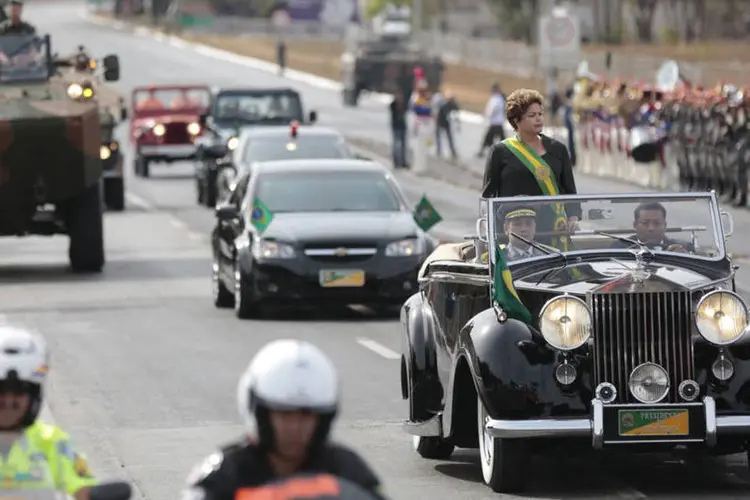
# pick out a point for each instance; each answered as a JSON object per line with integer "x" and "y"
{"x": 707, "y": 130}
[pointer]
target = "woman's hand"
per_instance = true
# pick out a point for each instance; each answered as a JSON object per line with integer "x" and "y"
{"x": 572, "y": 223}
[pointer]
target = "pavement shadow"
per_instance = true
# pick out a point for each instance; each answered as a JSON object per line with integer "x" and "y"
{"x": 326, "y": 313}
{"x": 115, "y": 270}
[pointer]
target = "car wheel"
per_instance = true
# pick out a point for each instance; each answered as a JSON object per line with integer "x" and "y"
{"x": 432, "y": 447}
{"x": 504, "y": 461}
{"x": 245, "y": 304}
{"x": 223, "y": 297}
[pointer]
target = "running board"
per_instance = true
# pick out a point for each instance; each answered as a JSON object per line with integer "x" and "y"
{"x": 427, "y": 428}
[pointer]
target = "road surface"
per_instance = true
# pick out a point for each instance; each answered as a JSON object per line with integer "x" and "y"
{"x": 144, "y": 367}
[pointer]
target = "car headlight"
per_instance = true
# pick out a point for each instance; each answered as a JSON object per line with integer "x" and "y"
{"x": 405, "y": 248}
{"x": 232, "y": 143}
{"x": 565, "y": 322}
{"x": 159, "y": 130}
{"x": 194, "y": 128}
{"x": 75, "y": 91}
{"x": 721, "y": 317}
{"x": 104, "y": 153}
{"x": 264, "y": 249}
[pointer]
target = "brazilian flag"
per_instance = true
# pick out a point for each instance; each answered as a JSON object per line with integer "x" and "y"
{"x": 261, "y": 216}
{"x": 505, "y": 293}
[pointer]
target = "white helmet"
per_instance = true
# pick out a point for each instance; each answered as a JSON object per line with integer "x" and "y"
{"x": 288, "y": 375}
{"x": 24, "y": 363}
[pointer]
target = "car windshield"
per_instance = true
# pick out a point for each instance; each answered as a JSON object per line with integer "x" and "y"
{"x": 286, "y": 148}
{"x": 23, "y": 59}
{"x": 170, "y": 99}
{"x": 274, "y": 107}
{"x": 677, "y": 224}
{"x": 327, "y": 191}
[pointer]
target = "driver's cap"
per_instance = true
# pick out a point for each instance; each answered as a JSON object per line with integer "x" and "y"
{"x": 518, "y": 212}
{"x": 15, "y": 2}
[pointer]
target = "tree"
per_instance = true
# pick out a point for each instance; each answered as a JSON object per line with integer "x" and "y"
{"x": 517, "y": 18}
{"x": 375, "y": 7}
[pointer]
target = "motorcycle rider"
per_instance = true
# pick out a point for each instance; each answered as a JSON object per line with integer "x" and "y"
{"x": 288, "y": 397}
{"x": 36, "y": 456}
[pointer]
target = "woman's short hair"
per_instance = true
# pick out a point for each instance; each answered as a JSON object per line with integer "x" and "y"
{"x": 518, "y": 102}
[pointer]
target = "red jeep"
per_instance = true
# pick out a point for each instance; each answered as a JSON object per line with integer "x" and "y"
{"x": 165, "y": 123}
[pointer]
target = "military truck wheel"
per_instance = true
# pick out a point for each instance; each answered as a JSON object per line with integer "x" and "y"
{"x": 85, "y": 224}
{"x": 114, "y": 194}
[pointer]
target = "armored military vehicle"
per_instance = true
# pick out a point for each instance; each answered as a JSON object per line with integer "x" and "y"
{"x": 385, "y": 63}
{"x": 83, "y": 74}
{"x": 50, "y": 165}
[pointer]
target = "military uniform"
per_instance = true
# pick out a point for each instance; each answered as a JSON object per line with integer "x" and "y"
{"x": 516, "y": 252}
{"x": 19, "y": 28}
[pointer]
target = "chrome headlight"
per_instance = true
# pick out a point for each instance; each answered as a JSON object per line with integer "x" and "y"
{"x": 104, "y": 153}
{"x": 75, "y": 91}
{"x": 565, "y": 322}
{"x": 159, "y": 130}
{"x": 405, "y": 248}
{"x": 232, "y": 143}
{"x": 721, "y": 317}
{"x": 194, "y": 128}
{"x": 263, "y": 249}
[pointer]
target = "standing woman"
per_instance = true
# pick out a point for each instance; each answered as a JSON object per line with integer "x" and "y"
{"x": 532, "y": 164}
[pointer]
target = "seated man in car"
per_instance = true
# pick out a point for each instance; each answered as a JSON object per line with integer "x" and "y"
{"x": 521, "y": 221}
{"x": 650, "y": 224}
{"x": 151, "y": 101}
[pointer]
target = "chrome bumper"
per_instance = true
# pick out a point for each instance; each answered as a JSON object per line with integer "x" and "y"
{"x": 594, "y": 427}
{"x": 169, "y": 150}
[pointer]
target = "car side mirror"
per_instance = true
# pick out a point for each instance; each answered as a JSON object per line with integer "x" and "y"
{"x": 313, "y": 117}
{"x": 727, "y": 223}
{"x": 111, "y": 65}
{"x": 227, "y": 212}
{"x": 111, "y": 491}
{"x": 216, "y": 151}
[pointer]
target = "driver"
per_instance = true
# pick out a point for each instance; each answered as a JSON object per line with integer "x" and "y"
{"x": 14, "y": 25}
{"x": 35, "y": 455}
{"x": 288, "y": 398}
{"x": 151, "y": 101}
{"x": 650, "y": 224}
{"x": 521, "y": 221}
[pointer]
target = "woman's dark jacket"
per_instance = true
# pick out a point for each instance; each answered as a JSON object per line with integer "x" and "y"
{"x": 506, "y": 176}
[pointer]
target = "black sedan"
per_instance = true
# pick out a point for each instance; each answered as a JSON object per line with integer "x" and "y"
{"x": 315, "y": 231}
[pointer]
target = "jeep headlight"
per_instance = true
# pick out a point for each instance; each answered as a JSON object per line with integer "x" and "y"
{"x": 159, "y": 130}
{"x": 88, "y": 92}
{"x": 104, "y": 153}
{"x": 263, "y": 249}
{"x": 721, "y": 317}
{"x": 405, "y": 248}
{"x": 75, "y": 91}
{"x": 232, "y": 143}
{"x": 565, "y": 322}
{"x": 194, "y": 128}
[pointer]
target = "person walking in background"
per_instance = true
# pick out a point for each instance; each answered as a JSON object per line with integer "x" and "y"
{"x": 494, "y": 112}
{"x": 398, "y": 130}
{"x": 446, "y": 109}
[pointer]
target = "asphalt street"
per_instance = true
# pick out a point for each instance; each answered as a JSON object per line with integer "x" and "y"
{"x": 144, "y": 367}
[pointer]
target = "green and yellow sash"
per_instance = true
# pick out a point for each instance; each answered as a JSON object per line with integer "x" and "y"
{"x": 545, "y": 177}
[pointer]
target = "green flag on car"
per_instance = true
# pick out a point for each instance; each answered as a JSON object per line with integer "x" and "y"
{"x": 425, "y": 214}
{"x": 261, "y": 216}
{"x": 505, "y": 293}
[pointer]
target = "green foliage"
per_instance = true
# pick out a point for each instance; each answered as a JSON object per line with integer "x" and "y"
{"x": 515, "y": 17}
{"x": 375, "y": 7}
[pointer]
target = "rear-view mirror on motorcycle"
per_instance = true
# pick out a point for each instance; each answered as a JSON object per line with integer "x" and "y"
{"x": 111, "y": 65}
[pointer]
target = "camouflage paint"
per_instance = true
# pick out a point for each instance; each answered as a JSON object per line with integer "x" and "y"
{"x": 49, "y": 149}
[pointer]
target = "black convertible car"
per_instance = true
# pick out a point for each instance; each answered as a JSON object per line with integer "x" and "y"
{"x": 622, "y": 333}
{"x": 304, "y": 232}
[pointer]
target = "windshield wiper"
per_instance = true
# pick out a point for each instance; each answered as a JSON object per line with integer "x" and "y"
{"x": 630, "y": 241}
{"x": 543, "y": 248}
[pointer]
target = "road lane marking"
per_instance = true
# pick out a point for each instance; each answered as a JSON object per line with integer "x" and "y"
{"x": 378, "y": 348}
{"x": 138, "y": 201}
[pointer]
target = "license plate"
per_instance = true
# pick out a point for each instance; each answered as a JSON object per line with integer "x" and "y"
{"x": 667, "y": 422}
{"x": 339, "y": 278}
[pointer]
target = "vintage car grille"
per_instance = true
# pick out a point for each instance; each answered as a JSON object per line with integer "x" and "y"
{"x": 177, "y": 133}
{"x": 635, "y": 328}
